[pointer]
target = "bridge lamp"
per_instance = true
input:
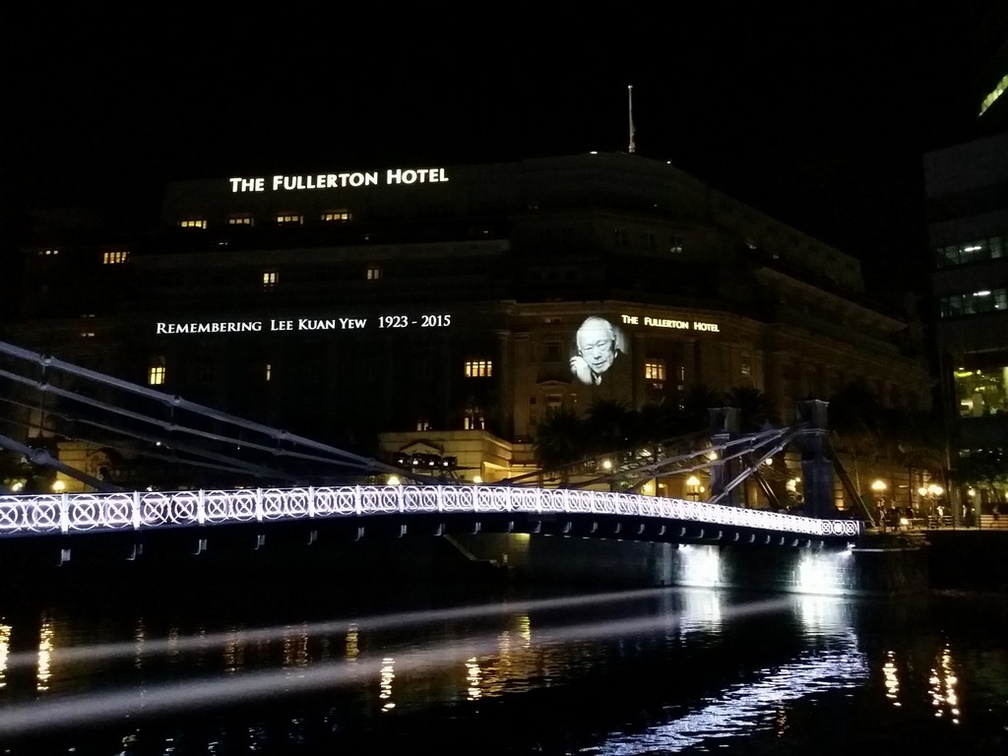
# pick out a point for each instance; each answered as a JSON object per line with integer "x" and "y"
{"x": 935, "y": 490}
{"x": 693, "y": 487}
{"x": 879, "y": 489}
{"x": 607, "y": 464}
{"x": 58, "y": 486}
{"x": 393, "y": 480}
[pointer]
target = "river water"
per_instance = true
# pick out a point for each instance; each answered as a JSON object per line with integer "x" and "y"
{"x": 313, "y": 666}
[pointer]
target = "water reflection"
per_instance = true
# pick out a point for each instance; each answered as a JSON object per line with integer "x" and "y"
{"x": 542, "y": 641}
{"x": 638, "y": 671}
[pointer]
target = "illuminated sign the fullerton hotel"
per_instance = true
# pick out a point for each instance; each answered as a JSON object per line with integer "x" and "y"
{"x": 393, "y": 176}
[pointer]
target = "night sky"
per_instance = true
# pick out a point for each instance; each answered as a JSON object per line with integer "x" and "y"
{"x": 818, "y": 117}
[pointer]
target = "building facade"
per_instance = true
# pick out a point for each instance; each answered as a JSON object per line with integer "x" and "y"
{"x": 967, "y": 187}
{"x": 453, "y": 308}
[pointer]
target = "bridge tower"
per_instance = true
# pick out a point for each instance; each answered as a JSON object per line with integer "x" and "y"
{"x": 817, "y": 467}
{"x": 725, "y": 426}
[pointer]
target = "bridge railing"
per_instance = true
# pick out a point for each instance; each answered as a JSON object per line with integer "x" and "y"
{"x": 68, "y": 513}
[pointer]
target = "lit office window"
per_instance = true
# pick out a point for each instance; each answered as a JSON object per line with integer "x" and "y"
{"x": 193, "y": 223}
{"x": 269, "y": 372}
{"x": 336, "y": 216}
{"x": 478, "y": 368}
{"x": 423, "y": 424}
{"x": 289, "y": 219}
{"x": 48, "y": 252}
{"x": 157, "y": 374}
{"x": 978, "y": 250}
{"x": 979, "y": 302}
{"x": 115, "y": 258}
{"x": 982, "y": 392}
{"x": 269, "y": 280}
{"x": 240, "y": 220}
{"x": 374, "y": 273}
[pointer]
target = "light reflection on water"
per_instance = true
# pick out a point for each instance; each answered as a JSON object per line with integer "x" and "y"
{"x": 706, "y": 665}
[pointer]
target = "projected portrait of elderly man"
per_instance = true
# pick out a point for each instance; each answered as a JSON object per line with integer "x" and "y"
{"x": 599, "y": 345}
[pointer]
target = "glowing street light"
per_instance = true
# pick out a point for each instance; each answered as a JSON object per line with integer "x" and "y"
{"x": 693, "y": 487}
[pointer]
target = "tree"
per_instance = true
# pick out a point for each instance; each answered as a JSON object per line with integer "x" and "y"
{"x": 608, "y": 426}
{"x": 560, "y": 440}
{"x": 696, "y": 407}
{"x": 754, "y": 408}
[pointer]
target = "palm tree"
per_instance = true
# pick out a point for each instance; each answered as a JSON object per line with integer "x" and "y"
{"x": 754, "y": 408}
{"x": 697, "y": 403}
{"x": 560, "y": 441}
{"x": 608, "y": 426}
{"x": 856, "y": 420}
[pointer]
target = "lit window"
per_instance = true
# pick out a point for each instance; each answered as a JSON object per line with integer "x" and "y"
{"x": 269, "y": 372}
{"x": 48, "y": 252}
{"x": 475, "y": 422}
{"x": 423, "y": 424}
{"x": 982, "y": 391}
{"x": 554, "y": 402}
{"x": 115, "y": 258}
{"x": 994, "y": 95}
{"x": 478, "y": 368}
{"x": 193, "y": 223}
{"x": 974, "y": 303}
{"x": 374, "y": 273}
{"x": 269, "y": 280}
{"x": 240, "y": 220}
{"x": 336, "y": 216}
{"x": 976, "y": 251}
{"x": 87, "y": 334}
{"x": 654, "y": 370}
{"x": 290, "y": 219}
{"x": 157, "y": 373}
{"x": 676, "y": 245}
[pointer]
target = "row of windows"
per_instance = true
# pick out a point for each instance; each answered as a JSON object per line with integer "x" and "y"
{"x": 157, "y": 374}
{"x": 977, "y": 303}
{"x": 654, "y": 370}
{"x": 281, "y": 219}
{"x": 270, "y": 278}
{"x": 980, "y": 250}
{"x": 654, "y": 243}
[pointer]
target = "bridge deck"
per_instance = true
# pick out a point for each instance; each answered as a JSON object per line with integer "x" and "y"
{"x": 656, "y": 518}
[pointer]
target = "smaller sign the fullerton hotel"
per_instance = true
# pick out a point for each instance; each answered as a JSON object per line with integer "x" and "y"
{"x": 392, "y": 177}
{"x": 671, "y": 323}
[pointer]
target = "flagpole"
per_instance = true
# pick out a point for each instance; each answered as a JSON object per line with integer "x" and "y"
{"x": 630, "y": 107}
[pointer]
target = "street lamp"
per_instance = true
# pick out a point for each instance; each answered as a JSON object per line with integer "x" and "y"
{"x": 879, "y": 487}
{"x": 693, "y": 487}
{"x": 931, "y": 493}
